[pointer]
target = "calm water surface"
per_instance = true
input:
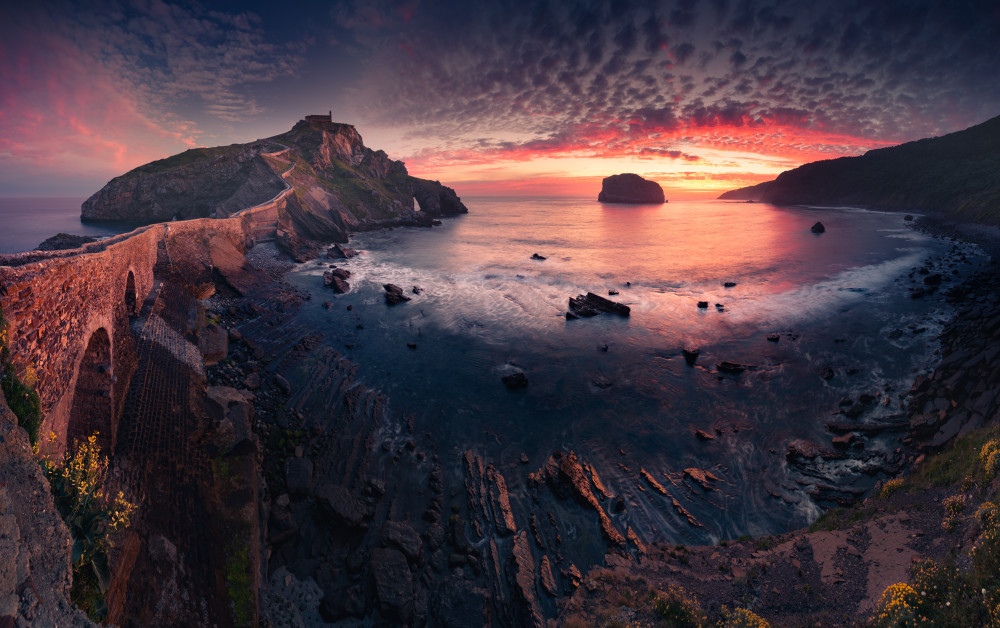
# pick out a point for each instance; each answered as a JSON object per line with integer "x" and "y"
{"x": 487, "y": 309}
{"x": 29, "y": 221}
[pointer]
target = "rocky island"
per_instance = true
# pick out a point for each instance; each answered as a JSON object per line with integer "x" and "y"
{"x": 630, "y": 188}
{"x": 316, "y": 183}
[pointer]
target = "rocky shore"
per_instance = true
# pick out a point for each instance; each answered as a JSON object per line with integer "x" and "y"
{"x": 348, "y": 513}
{"x": 836, "y": 571}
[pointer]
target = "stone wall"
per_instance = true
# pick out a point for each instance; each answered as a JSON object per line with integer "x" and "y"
{"x": 57, "y": 302}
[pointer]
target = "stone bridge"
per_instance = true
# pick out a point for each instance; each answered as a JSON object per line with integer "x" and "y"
{"x": 69, "y": 314}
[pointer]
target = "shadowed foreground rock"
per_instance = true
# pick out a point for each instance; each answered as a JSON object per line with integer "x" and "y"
{"x": 630, "y": 188}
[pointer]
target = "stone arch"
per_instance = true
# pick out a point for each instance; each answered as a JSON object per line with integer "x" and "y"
{"x": 131, "y": 297}
{"x": 92, "y": 399}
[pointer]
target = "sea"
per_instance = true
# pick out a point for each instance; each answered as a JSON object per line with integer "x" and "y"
{"x": 618, "y": 390}
{"x": 28, "y": 221}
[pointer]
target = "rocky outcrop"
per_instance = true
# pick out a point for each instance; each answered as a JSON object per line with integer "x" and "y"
{"x": 436, "y": 199}
{"x": 318, "y": 181}
{"x": 64, "y": 241}
{"x": 630, "y": 188}
{"x": 35, "y": 572}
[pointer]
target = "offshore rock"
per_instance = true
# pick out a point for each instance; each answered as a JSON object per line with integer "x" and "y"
{"x": 630, "y": 188}
{"x": 435, "y": 199}
{"x": 64, "y": 241}
{"x": 394, "y": 294}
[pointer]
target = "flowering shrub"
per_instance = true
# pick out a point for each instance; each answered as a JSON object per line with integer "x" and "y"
{"x": 953, "y": 507}
{"x": 677, "y": 607}
{"x": 986, "y": 515}
{"x": 898, "y": 606}
{"x": 989, "y": 456}
{"x": 92, "y": 515}
{"x": 741, "y": 618}
{"x": 890, "y": 487}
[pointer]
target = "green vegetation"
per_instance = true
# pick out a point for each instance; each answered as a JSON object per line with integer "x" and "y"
{"x": 239, "y": 581}
{"x": 94, "y": 517}
{"x": 962, "y": 589}
{"x": 188, "y": 157}
{"x": 20, "y": 395}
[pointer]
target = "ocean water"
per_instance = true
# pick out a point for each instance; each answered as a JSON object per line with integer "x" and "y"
{"x": 617, "y": 390}
{"x": 29, "y": 221}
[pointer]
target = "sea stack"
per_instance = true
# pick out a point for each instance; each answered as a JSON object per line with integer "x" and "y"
{"x": 630, "y": 188}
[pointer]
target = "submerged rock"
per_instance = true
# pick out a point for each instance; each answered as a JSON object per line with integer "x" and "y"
{"x": 630, "y": 188}
{"x": 515, "y": 381}
{"x": 690, "y": 355}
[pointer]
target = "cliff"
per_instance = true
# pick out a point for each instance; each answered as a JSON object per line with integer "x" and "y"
{"x": 955, "y": 175}
{"x": 323, "y": 180}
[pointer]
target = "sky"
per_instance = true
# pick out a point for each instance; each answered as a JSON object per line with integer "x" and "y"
{"x": 491, "y": 98}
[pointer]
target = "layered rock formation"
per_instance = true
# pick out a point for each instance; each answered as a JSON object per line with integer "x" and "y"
{"x": 957, "y": 175}
{"x": 321, "y": 178}
{"x": 630, "y": 188}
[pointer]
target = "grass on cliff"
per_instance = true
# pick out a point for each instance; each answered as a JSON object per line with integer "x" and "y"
{"x": 239, "y": 580}
{"x": 20, "y": 394}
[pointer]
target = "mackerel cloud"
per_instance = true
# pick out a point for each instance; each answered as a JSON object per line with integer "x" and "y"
{"x": 844, "y": 75}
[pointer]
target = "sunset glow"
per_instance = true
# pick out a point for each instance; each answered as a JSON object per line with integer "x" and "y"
{"x": 546, "y": 100}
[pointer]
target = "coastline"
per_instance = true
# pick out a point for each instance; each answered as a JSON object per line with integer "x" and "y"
{"x": 965, "y": 327}
{"x": 344, "y": 479}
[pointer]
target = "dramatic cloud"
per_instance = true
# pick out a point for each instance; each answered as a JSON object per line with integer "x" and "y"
{"x": 533, "y": 87}
{"x": 92, "y": 94}
{"x": 832, "y": 78}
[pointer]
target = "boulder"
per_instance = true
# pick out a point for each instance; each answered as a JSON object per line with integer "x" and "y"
{"x": 339, "y": 251}
{"x": 393, "y": 584}
{"x": 536, "y": 256}
{"x": 394, "y": 294}
{"x": 214, "y": 344}
{"x": 630, "y": 188}
{"x": 731, "y": 367}
{"x": 331, "y": 280}
{"x": 818, "y": 228}
{"x": 690, "y": 355}
{"x": 294, "y": 246}
{"x": 515, "y": 381}
{"x": 339, "y": 502}
{"x": 403, "y": 537}
{"x": 579, "y": 307}
{"x": 298, "y": 475}
{"x": 606, "y": 305}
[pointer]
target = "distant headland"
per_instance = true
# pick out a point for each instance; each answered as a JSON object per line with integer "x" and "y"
{"x": 955, "y": 176}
